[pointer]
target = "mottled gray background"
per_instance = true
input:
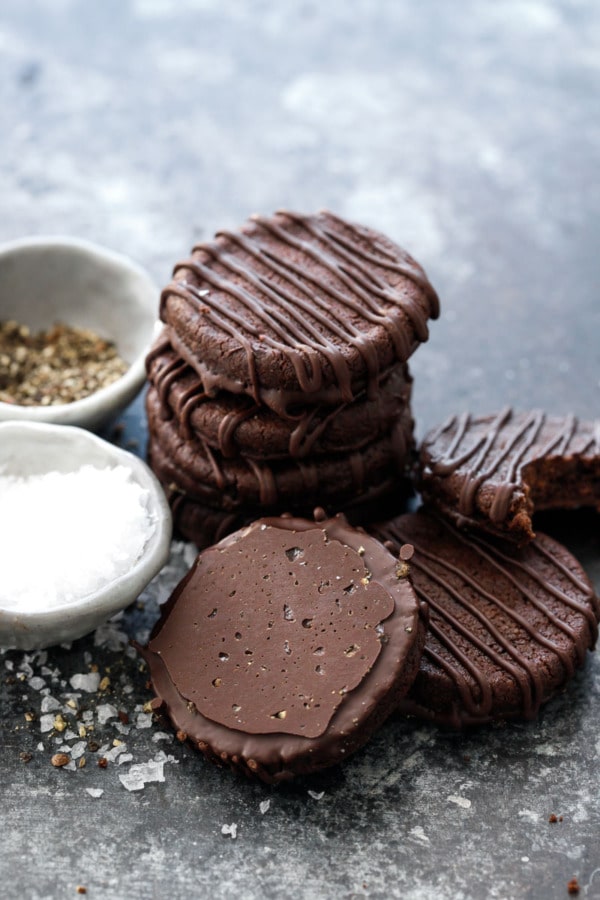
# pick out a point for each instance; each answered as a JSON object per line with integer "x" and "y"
{"x": 470, "y": 132}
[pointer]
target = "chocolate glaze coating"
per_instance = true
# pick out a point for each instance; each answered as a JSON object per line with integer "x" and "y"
{"x": 508, "y": 626}
{"x": 297, "y": 309}
{"x": 493, "y": 472}
{"x": 286, "y": 645}
{"x": 235, "y": 425}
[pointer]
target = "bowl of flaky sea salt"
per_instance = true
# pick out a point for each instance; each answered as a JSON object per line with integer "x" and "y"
{"x": 84, "y": 527}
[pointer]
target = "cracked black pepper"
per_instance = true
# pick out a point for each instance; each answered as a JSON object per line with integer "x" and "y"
{"x": 56, "y": 366}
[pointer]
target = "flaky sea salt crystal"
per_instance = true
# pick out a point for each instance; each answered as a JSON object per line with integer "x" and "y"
{"x": 90, "y": 526}
{"x": 143, "y": 720}
{"x": 230, "y": 830}
{"x": 94, "y": 792}
{"x": 36, "y": 683}
{"x": 49, "y": 703}
{"x": 47, "y": 722}
{"x": 264, "y": 806}
{"x": 89, "y": 682}
{"x": 105, "y": 712}
{"x": 316, "y": 795}
{"x": 110, "y": 636}
{"x": 142, "y": 774}
{"x": 78, "y": 749}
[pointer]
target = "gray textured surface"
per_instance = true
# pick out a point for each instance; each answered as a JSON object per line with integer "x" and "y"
{"x": 470, "y": 134}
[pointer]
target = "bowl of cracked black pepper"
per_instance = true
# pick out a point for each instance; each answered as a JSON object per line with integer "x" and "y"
{"x": 76, "y": 322}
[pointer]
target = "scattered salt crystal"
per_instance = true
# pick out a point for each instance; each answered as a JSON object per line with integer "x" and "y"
{"x": 87, "y": 716}
{"x": 124, "y": 758}
{"x": 105, "y": 712}
{"x": 132, "y": 782}
{"x": 70, "y": 735}
{"x": 122, "y": 729}
{"x": 9, "y": 664}
{"x": 50, "y": 703}
{"x": 70, "y": 766}
{"x": 94, "y": 792}
{"x": 110, "y": 636}
{"x": 78, "y": 749}
{"x": 40, "y": 747}
{"x": 316, "y": 795}
{"x": 36, "y": 683}
{"x": 112, "y": 754}
{"x": 88, "y": 682}
{"x": 46, "y": 722}
{"x": 90, "y": 526}
{"x": 264, "y": 806}
{"x": 142, "y": 774}
{"x": 53, "y": 673}
{"x": 463, "y": 802}
{"x": 163, "y": 757}
{"x": 230, "y": 829}
{"x": 161, "y": 736}
{"x": 144, "y": 720}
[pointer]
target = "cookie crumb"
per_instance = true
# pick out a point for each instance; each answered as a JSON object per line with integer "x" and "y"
{"x": 81, "y": 889}
{"x": 573, "y": 886}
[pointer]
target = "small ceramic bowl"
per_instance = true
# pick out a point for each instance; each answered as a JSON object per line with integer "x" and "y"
{"x": 29, "y": 449}
{"x": 45, "y": 280}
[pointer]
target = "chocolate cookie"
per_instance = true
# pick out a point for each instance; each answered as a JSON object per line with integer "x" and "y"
{"x": 229, "y": 484}
{"x": 297, "y": 310}
{"x": 492, "y": 472}
{"x": 235, "y": 425}
{"x": 507, "y": 628}
{"x": 285, "y": 646}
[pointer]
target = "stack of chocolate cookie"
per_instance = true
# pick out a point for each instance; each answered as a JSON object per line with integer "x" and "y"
{"x": 280, "y": 380}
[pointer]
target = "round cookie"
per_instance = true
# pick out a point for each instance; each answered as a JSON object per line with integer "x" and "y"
{"x": 231, "y": 484}
{"x": 235, "y": 425}
{"x": 296, "y": 310}
{"x": 507, "y": 627}
{"x": 492, "y": 472}
{"x": 286, "y": 646}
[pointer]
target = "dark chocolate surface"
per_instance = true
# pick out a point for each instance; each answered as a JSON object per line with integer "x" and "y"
{"x": 467, "y": 133}
{"x": 286, "y": 645}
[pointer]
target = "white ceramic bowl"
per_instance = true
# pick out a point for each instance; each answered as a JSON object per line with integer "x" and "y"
{"x": 28, "y": 448}
{"x": 44, "y": 280}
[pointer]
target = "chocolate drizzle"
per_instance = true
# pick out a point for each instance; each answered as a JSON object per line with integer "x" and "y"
{"x": 305, "y": 290}
{"x": 181, "y": 394}
{"x": 501, "y": 466}
{"x": 530, "y": 607}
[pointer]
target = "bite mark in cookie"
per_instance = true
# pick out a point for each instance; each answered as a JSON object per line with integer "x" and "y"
{"x": 493, "y": 472}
